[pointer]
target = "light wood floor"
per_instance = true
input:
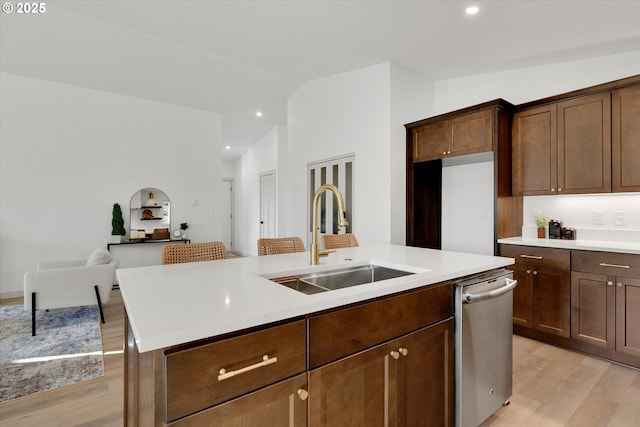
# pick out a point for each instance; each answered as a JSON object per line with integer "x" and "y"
{"x": 551, "y": 387}
{"x": 556, "y": 387}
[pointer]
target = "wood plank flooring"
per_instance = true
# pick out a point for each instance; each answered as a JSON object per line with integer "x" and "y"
{"x": 556, "y": 387}
{"x": 551, "y": 387}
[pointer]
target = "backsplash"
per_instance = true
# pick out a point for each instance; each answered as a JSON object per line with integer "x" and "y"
{"x": 610, "y": 217}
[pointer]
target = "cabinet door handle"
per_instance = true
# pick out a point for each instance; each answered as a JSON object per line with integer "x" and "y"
{"x": 394, "y": 354}
{"x": 535, "y": 273}
{"x": 530, "y": 256}
{"x": 604, "y": 264}
{"x": 619, "y": 284}
{"x": 609, "y": 283}
{"x": 303, "y": 394}
{"x": 403, "y": 351}
{"x": 223, "y": 374}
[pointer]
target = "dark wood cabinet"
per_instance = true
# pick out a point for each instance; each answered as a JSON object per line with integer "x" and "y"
{"x": 281, "y": 404}
{"x": 425, "y": 377}
{"x": 383, "y": 362}
{"x": 584, "y": 300}
{"x": 483, "y": 128}
{"x": 456, "y": 136}
{"x": 429, "y": 142}
{"x": 605, "y": 301}
{"x": 541, "y": 301}
{"x": 628, "y": 316}
{"x": 404, "y": 382}
{"x": 584, "y": 145}
{"x": 256, "y": 379}
{"x": 625, "y": 134}
{"x": 201, "y": 376}
{"x": 593, "y": 309}
{"x": 394, "y": 369}
{"x": 535, "y": 154}
{"x": 563, "y": 147}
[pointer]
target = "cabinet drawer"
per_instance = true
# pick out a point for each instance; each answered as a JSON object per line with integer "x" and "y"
{"x": 278, "y": 405}
{"x": 193, "y": 379}
{"x": 538, "y": 257}
{"x": 609, "y": 263}
{"x": 343, "y": 332}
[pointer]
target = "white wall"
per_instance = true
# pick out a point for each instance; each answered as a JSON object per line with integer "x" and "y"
{"x": 576, "y": 211}
{"x": 337, "y": 115}
{"x": 68, "y": 154}
{"x": 529, "y": 84}
{"x": 411, "y": 100}
{"x": 261, "y": 157}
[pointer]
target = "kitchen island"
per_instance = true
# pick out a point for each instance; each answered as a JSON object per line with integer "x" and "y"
{"x": 194, "y": 332}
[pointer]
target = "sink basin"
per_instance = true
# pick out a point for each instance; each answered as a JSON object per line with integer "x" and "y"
{"x": 313, "y": 283}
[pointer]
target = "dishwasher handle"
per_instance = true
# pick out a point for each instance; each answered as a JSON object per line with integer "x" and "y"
{"x": 494, "y": 293}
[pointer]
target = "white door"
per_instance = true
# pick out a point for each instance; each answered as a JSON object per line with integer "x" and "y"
{"x": 268, "y": 204}
{"x": 226, "y": 212}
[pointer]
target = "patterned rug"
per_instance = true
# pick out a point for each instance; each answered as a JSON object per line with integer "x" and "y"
{"x": 67, "y": 349}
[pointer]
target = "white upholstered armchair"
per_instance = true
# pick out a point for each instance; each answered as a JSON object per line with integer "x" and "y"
{"x": 58, "y": 284}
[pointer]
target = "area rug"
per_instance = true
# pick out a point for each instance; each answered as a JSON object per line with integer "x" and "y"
{"x": 67, "y": 349}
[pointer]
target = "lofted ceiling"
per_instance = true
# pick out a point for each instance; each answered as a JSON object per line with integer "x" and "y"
{"x": 239, "y": 57}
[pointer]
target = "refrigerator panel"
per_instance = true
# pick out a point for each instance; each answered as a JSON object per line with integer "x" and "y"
{"x": 468, "y": 207}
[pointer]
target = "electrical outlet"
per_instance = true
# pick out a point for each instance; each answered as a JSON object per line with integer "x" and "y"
{"x": 597, "y": 217}
{"x": 619, "y": 217}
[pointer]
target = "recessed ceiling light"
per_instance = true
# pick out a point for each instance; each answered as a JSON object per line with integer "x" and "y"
{"x": 472, "y": 10}
{"x": 227, "y": 147}
{"x": 259, "y": 114}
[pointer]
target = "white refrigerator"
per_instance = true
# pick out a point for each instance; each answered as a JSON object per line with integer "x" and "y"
{"x": 468, "y": 204}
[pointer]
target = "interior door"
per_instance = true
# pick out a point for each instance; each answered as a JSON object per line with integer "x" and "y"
{"x": 226, "y": 213}
{"x": 268, "y": 204}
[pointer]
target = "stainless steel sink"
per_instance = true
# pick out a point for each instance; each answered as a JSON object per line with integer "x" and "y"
{"x": 314, "y": 283}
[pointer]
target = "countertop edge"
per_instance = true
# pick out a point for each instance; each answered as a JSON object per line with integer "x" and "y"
{"x": 582, "y": 245}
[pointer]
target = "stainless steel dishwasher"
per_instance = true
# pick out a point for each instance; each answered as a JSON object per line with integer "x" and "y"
{"x": 483, "y": 345}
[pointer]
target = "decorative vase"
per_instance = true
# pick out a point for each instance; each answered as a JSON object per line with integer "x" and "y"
{"x": 183, "y": 234}
{"x": 116, "y": 238}
{"x": 541, "y": 234}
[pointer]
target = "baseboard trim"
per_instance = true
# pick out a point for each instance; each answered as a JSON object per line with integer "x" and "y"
{"x": 11, "y": 294}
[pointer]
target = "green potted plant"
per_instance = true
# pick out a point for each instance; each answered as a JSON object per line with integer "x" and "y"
{"x": 117, "y": 224}
{"x": 183, "y": 227}
{"x": 541, "y": 223}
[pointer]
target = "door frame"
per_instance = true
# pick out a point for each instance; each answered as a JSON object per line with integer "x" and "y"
{"x": 271, "y": 173}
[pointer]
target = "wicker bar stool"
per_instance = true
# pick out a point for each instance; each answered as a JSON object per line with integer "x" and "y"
{"x": 193, "y": 252}
{"x": 280, "y": 245}
{"x": 336, "y": 241}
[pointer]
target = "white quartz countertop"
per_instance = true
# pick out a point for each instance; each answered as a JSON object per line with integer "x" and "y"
{"x": 177, "y": 303}
{"x": 585, "y": 245}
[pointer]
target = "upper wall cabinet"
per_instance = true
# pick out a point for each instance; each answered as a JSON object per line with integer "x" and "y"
{"x": 625, "y": 134}
{"x": 582, "y": 142}
{"x": 563, "y": 147}
{"x": 454, "y": 136}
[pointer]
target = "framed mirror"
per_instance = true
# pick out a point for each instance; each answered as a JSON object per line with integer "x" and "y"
{"x": 150, "y": 215}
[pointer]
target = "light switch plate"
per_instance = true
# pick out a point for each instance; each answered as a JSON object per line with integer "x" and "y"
{"x": 597, "y": 217}
{"x": 619, "y": 217}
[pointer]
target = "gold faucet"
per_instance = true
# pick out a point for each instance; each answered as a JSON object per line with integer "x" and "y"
{"x": 316, "y": 253}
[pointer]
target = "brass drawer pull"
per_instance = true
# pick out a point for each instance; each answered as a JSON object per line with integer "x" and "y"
{"x": 604, "y": 264}
{"x": 530, "y": 256}
{"x": 223, "y": 374}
